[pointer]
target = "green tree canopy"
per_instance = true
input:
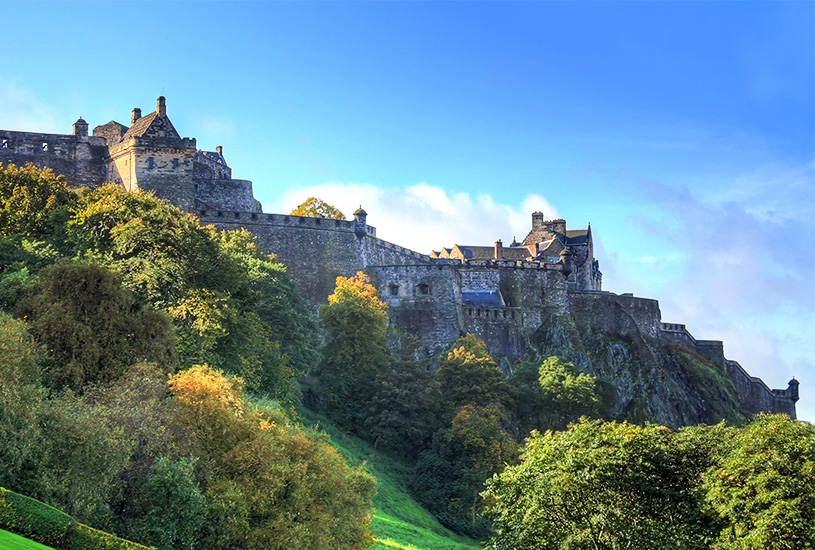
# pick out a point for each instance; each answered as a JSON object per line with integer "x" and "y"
{"x": 567, "y": 393}
{"x": 469, "y": 376}
{"x": 355, "y": 324}
{"x": 314, "y": 207}
{"x": 91, "y": 327}
{"x": 33, "y": 202}
{"x": 600, "y": 485}
{"x": 763, "y": 486}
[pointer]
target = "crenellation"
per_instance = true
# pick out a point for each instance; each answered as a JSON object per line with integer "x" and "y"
{"x": 502, "y": 294}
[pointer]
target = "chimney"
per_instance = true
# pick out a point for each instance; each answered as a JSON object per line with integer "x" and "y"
{"x": 499, "y": 249}
{"x": 136, "y": 115}
{"x": 219, "y": 150}
{"x": 161, "y": 108}
{"x": 537, "y": 219}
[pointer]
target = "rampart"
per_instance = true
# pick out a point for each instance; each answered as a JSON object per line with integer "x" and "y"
{"x": 80, "y": 158}
{"x": 754, "y": 395}
{"x": 316, "y": 250}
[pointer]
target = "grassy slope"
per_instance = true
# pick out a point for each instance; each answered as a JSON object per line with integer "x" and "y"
{"x": 10, "y": 541}
{"x": 399, "y": 522}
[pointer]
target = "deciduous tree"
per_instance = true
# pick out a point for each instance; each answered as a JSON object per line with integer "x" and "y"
{"x": 314, "y": 207}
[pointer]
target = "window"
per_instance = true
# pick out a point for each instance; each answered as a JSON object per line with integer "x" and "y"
{"x": 44, "y": 146}
{"x": 150, "y": 162}
{"x": 393, "y": 290}
{"x": 175, "y": 163}
{"x": 422, "y": 289}
{"x": 4, "y": 143}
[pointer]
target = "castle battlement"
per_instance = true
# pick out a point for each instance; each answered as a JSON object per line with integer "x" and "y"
{"x": 503, "y": 295}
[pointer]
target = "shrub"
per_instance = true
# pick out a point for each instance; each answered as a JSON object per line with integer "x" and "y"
{"x": 34, "y": 520}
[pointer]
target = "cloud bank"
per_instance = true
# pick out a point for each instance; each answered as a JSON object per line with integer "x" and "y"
{"x": 424, "y": 217}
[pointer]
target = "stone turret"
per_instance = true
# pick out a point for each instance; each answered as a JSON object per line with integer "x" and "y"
{"x": 360, "y": 222}
{"x": 80, "y": 128}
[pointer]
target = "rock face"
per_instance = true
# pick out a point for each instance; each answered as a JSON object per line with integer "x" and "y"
{"x": 541, "y": 297}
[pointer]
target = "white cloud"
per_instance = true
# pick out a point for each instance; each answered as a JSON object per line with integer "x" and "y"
{"x": 21, "y": 109}
{"x": 424, "y": 217}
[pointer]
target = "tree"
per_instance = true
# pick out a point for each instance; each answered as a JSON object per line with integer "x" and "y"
{"x": 91, "y": 328}
{"x": 567, "y": 393}
{"x": 21, "y": 397}
{"x": 33, "y": 202}
{"x": 314, "y": 207}
{"x": 601, "y": 485}
{"x": 176, "y": 508}
{"x": 355, "y": 323}
{"x": 469, "y": 376}
{"x": 270, "y": 483}
{"x": 450, "y": 475}
{"x": 763, "y": 486}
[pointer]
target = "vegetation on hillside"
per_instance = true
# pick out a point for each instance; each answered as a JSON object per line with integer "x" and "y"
{"x": 151, "y": 367}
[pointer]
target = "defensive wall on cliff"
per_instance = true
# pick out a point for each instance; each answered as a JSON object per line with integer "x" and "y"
{"x": 754, "y": 395}
{"x": 500, "y": 300}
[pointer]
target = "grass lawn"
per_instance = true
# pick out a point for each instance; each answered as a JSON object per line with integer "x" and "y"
{"x": 399, "y": 522}
{"x": 10, "y": 541}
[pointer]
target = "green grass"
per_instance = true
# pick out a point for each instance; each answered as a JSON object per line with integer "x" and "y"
{"x": 10, "y": 541}
{"x": 399, "y": 522}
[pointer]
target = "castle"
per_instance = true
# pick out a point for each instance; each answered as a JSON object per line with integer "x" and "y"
{"x": 501, "y": 294}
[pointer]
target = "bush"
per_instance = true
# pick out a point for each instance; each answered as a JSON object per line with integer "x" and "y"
{"x": 34, "y": 520}
{"x": 88, "y": 538}
{"x": 45, "y": 524}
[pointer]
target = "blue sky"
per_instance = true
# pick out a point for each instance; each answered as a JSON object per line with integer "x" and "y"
{"x": 683, "y": 131}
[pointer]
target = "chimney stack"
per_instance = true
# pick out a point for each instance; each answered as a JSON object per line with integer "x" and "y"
{"x": 136, "y": 115}
{"x": 220, "y": 150}
{"x": 161, "y": 108}
{"x": 499, "y": 249}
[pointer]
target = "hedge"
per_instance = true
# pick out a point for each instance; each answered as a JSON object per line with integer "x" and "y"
{"x": 45, "y": 524}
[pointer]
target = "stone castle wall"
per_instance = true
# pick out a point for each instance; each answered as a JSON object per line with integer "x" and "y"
{"x": 81, "y": 159}
{"x": 753, "y": 394}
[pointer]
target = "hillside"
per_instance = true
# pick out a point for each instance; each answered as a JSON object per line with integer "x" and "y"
{"x": 399, "y": 521}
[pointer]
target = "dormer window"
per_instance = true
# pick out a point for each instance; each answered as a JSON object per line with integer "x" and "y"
{"x": 44, "y": 146}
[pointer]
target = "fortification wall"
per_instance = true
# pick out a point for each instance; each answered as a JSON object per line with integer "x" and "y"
{"x": 753, "y": 394}
{"x": 226, "y": 194}
{"x": 81, "y": 159}
{"x": 623, "y": 314}
{"x": 315, "y": 250}
{"x": 424, "y": 299}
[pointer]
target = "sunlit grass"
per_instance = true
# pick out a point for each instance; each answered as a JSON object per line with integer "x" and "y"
{"x": 399, "y": 522}
{"x": 10, "y": 541}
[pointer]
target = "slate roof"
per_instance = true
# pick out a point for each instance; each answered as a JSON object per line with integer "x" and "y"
{"x": 144, "y": 125}
{"x": 482, "y": 298}
{"x": 476, "y": 252}
{"x": 213, "y": 156}
{"x": 577, "y": 236}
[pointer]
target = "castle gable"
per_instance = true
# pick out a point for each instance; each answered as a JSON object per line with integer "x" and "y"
{"x": 152, "y": 126}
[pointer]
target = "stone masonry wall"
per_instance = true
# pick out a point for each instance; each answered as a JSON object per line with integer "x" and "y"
{"x": 81, "y": 159}
{"x": 315, "y": 250}
{"x": 754, "y": 395}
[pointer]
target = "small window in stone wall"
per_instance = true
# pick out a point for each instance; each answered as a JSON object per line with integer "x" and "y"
{"x": 3, "y": 143}
{"x": 175, "y": 163}
{"x": 393, "y": 290}
{"x": 150, "y": 162}
{"x": 44, "y": 146}
{"x": 422, "y": 289}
